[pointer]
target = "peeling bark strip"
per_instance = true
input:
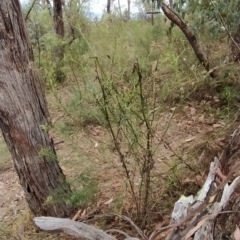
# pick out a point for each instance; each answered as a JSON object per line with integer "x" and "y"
{"x": 172, "y": 16}
{"x": 23, "y": 110}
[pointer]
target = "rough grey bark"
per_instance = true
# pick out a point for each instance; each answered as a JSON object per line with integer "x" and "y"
{"x": 23, "y": 110}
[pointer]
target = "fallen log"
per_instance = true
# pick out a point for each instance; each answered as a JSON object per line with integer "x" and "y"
{"x": 73, "y": 228}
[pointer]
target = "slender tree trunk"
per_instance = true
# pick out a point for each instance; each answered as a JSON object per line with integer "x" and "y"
{"x": 171, "y": 4}
{"x": 108, "y": 6}
{"x": 58, "y": 18}
{"x": 59, "y": 30}
{"x": 30, "y": 9}
{"x": 129, "y": 9}
{"x": 23, "y": 113}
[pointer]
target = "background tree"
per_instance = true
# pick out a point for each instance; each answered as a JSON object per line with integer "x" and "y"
{"x": 59, "y": 30}
{"x": 210, "y": 16}
{"x": 128, "y": 9}
{"x": 108, "y": 6}
{"x": 23, "y": 115}
{"x": 58, "y": 18}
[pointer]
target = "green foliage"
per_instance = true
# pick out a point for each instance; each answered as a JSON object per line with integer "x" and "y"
{"x": 83, "y": 108}
{"x": 5, "y": 162}
{"x": 46, "y": 43}
{"x": 123, "y": 75}
{"x": 158, "y": 30}
{"x": 84, "y": 189}
{"x": 66, "y": 128}
{"x": 44, "y": 152}
{"x": 210, "y": 17}
{"x": 131, "y": 111}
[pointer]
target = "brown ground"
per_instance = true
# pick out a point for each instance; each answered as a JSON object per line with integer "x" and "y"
{"x": 189, "y": 134}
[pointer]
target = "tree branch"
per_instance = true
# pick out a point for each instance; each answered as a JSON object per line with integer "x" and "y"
{"x": 30, "y": 9}
{"x": 172, "y": 16}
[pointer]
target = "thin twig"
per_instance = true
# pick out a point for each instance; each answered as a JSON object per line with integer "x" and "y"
{"x": 105, "y": 110}
{"x": 29, "y": 10}
{"x": 118, "y": 231}
{"x": 139, "y": 231}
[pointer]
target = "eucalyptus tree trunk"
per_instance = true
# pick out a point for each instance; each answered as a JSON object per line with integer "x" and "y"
{"x": 23, "y": 113}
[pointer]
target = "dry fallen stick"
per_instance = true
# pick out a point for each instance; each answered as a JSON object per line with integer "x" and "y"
{"x": 70, "y": 227}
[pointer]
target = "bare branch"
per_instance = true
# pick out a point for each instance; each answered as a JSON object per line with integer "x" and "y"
{"x": 71, "y": 227}
{"x": 77, "y": 229}
{"x": 29, "y": 11}
{"x": 172, "y": 16}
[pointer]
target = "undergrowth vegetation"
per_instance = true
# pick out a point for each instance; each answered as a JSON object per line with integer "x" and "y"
{"x": 124, "y": 76}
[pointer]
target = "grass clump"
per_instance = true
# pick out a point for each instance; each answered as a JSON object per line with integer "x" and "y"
{"x": 84, "y": 189}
